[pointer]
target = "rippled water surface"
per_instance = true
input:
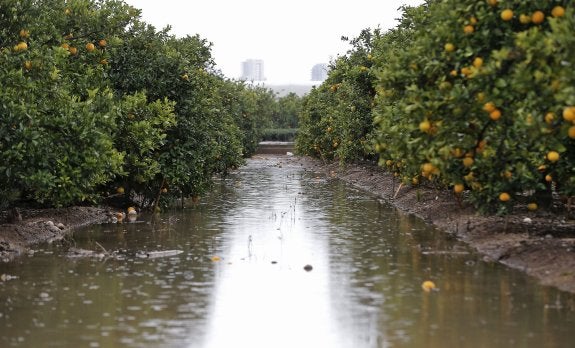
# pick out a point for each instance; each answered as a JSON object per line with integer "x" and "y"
{"x": 240, "y": 280}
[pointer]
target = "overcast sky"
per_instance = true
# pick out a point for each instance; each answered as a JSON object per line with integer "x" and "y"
{"x": 289, "y": 36}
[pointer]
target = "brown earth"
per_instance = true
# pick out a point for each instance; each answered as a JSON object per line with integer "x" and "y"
{"x": 541, "y": 244}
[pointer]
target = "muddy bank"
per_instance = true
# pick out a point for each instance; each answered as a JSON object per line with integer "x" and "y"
{"x": 45, "y": 225}
{"x": 541, "y": 244}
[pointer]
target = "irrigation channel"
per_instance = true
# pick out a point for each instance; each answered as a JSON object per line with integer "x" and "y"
{"x": 229, "y": 272}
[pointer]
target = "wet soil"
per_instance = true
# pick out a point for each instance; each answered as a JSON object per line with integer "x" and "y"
{"x": 541, "y": 244}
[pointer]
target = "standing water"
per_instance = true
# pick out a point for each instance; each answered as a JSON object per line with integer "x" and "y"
{"x": 240, "y": 281}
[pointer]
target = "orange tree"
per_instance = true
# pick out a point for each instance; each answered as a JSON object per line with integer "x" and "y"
{"x": 477, "y": 94}
{"x": 56, "y": 110}
{"x": 179, "y": 70}
{"x": 336, "y": 119}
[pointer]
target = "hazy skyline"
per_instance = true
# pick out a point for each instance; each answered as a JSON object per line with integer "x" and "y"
{"x": 290, "y": 37}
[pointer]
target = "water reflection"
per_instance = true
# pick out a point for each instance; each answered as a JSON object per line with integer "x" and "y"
{"x": 239, "y": 280}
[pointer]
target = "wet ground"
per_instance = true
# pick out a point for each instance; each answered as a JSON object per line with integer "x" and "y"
{"x": 277, "y": 256}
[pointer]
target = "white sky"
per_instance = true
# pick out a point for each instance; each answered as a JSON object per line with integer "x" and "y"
{"x": 289, "y": 36}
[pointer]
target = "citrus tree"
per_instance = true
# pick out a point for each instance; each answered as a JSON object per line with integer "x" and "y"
{"x": 480, "y": 107}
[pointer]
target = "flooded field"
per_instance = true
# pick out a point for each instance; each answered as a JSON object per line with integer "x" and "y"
{"x": 275, "y": 256}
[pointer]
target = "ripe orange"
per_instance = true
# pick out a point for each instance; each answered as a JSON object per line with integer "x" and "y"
{"x": 492, "y": 2}
{"x": 90, "y": 47}
{"x": 466, "y": 71}
{"x": 489, "y": 107}
{"x": 537, "y": 17}
{"x": 495, "y": 114}
{"x": 553, "y": 156}
{"x": 453, "y": 73}
{"x": 102, "y": 43}
{"x": 428, "y": 168}
{"x": 507, "y": 15}
{"x": 571, "y": 132}
{"x": 558, "y": 11}
{"x": 428, "y": 285}
{"x": 21, "y": 46}
{"x": 504, "y": 197}
{"x": 468, "y": 29}
{"x": 548, "y": 178}
{"x": 569, "y": 113}
{"x": 478, "y": 62}
{"x": 458, "y": 188}
{"x": 65, "y": 46}
{"x": 73, "y": 50}
{"x": 468, "y": 162}
{"x": 425, "y": 126}
{"x": 549, "y": 117}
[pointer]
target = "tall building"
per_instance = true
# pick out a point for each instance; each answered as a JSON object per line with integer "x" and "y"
{"x": 319, "y": 72}
{"x": 253, "y": 70}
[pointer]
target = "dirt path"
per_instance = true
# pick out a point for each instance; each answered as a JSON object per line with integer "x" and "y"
{"x": 540, "y": 244}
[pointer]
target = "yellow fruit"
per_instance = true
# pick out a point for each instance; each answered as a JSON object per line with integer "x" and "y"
{"x": 468, "y": 162}
{"x": 548, "y": 178}
{"x": 216, "y": 258}
{"x": 507, "y": 15}
{"x": 67, "y": 11}
{"x": 466, "y": 71}
{"x": 480, "y": 96}
{"x": 524, "y": 19}
{"x": 164, "y": 190}
{"x": 504, "y": 197}
{"x": 453, "y": 73}
{"x": 495, "y": 114}
{"x": 468, "y": 29}
{"x": 428, "y": 168}
{"x": 553, "y": 156}
{"x": 90, "y": 47}
{"x": 473, "y": 20}
{"x": 389, "y": 163}
{"x": 571, "y": 132}
{"x": 102, "y": 43}
{"x": 458, "y": 188}
{"x": 492, "y": 2}
{"x": 569, "y": 113}
{"x": 478, "y": 62}
{"x": 558, "y": 11}
{"x": 24, "y": 34}
{"x": 65, "y": 46}
{"x": 449, "y": 47}
{"x": 73, "y": 50}
{"x": 507, "y": 174}
{"x": 425, "y": 126}
{"x": 104, "y": 61}
{"x": 532, "y": 206}
{"x": 537, "y": 17}
{"x": 21, "y": 46}
{"x": 428, "y": 285}
{"x": 489, "y": 107}
{"x": 28, "y": 65}
{"x": 549, "y": 117}
{"x": 120, "y": 190}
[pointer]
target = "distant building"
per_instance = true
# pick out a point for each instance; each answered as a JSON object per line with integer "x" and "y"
{"x": 319, "y": 72}
{"x": 253, "y": 70}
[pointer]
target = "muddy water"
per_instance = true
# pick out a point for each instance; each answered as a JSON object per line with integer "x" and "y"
{"x": 240, "y": 280}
